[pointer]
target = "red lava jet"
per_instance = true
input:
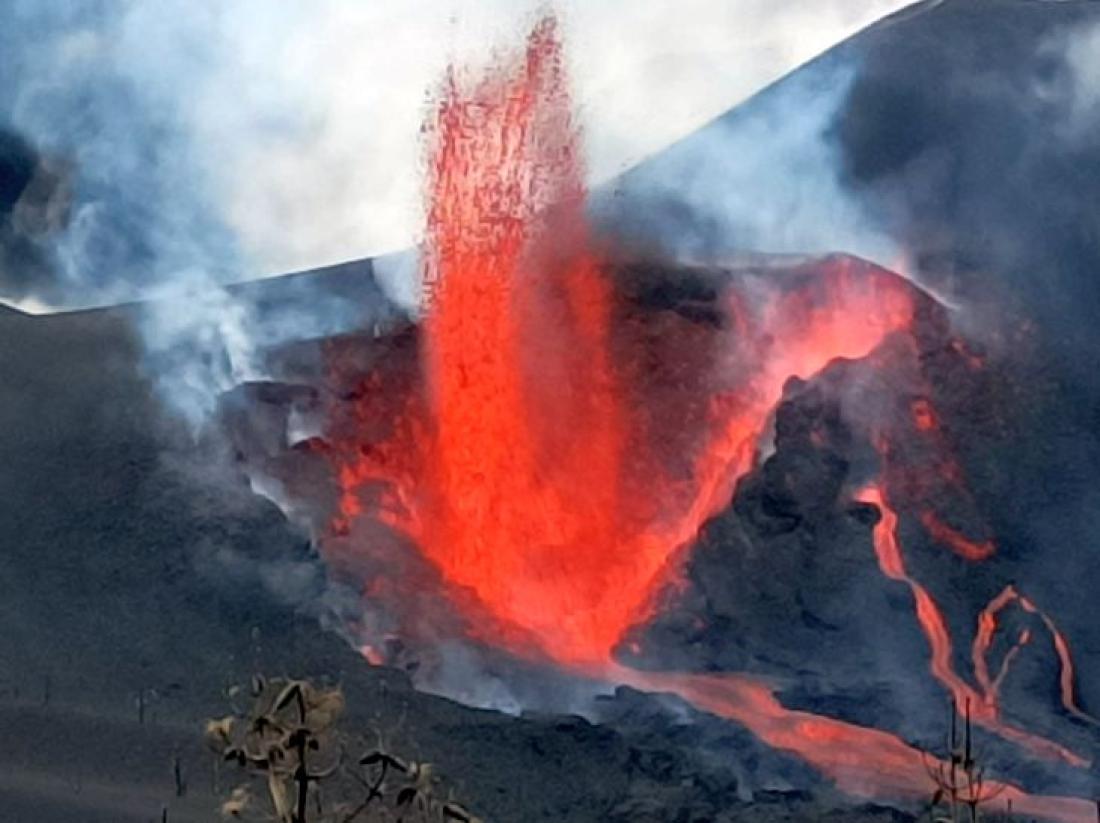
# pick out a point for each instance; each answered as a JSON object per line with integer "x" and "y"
{"x": 541, "y": 487}
{"x": 541, "y": 469}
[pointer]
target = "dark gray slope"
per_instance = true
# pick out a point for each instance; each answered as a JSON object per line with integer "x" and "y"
{"x": 135, "y": 588}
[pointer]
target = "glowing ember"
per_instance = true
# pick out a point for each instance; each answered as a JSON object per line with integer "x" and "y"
{"x": 927, "y": 476}
{"x": 955, "y": 540}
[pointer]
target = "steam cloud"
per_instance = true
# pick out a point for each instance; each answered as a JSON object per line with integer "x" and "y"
{"x": 765, "y": 178}
{"x": 238, "y": 139}
{"x": 162, "y": 150}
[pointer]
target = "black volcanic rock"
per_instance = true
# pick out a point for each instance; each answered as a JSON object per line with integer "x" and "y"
{"x": 785, "y": 583}
{"x": 960, "y": 131}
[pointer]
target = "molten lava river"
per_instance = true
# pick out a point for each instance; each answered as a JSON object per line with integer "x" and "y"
{"x": 552, "y": 476}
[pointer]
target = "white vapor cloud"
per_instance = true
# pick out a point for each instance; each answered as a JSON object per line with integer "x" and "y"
{"x": 305, "y": 116}
{"x": 213, "y": 141}
{"x": 1081, "y": 50}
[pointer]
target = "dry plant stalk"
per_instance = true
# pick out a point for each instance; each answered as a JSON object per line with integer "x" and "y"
{"x": 961, "y": 786}
{"x": 289, "y": 746}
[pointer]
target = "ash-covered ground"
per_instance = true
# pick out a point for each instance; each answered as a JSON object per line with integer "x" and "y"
{"x": 141, "y": 580}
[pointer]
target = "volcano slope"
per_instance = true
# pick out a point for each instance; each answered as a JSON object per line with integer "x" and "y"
{"x": 142, "y": 577}
{"x": 967, "y": 426}
{"x": 959, "y": 132}
{"x": 791, "y": 580}
{"x": 953, "y": 130}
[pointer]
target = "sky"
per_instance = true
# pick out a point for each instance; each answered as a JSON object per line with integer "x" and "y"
{"x": 645, "y": 72}
{"x": 218, "y": 141}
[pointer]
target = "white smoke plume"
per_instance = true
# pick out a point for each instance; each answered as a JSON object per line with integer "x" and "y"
{"x": 211, "y": 142}
{"x": 766, "y": 179}
{"x": 286, "y": 136}
{"x": 1080, "y": 49}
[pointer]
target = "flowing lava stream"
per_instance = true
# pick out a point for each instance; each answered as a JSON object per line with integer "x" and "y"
{"x": 983, "y": 640}
{"x": 983, "y": 705}
{"x": 528, "y": 477}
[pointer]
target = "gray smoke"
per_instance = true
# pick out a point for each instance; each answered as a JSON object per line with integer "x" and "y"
{"x": 125, "y": 132}
{"x": 764, "y": 178}
{"x": 182, "y": 145}
{"x": 971, "y": 139}
{"x": 140, "y": 212}
{"x": 120, "y": 204}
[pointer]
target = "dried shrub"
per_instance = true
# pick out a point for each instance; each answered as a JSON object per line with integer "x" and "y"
{"x": 298, "y": 766}
{"x": 961, "y": 788}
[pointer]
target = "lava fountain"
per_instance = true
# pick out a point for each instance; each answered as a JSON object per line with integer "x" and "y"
{"x": 546, "y": 470}
{"x": 544, "y": 484}
{"x": 523, "y": 505}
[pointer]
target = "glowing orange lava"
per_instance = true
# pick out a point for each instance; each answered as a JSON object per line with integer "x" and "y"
{"x": 932, "y": 623}
{"x": 542, "y": 486}
{"x": 524, "y": 504}
{"x": 983, "y": 641}
{"x": 972, "y": 550}
{"x": 863, "y": 762}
